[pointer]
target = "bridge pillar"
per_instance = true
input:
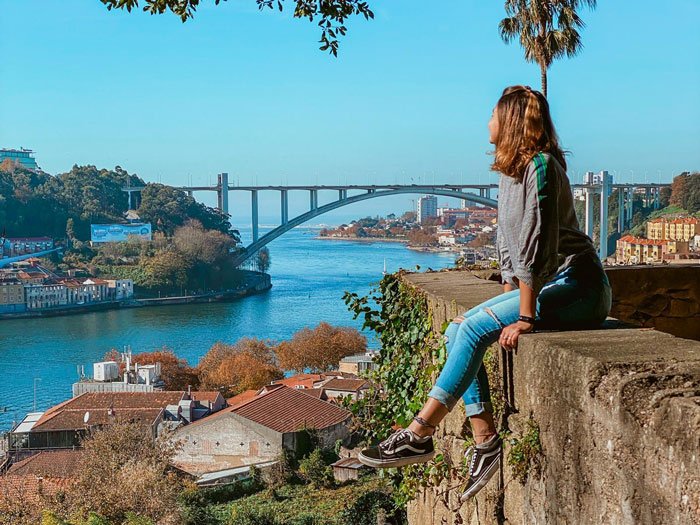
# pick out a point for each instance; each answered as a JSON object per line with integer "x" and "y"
{"x": 647, "y": 196}
{"x": 285, "y": 207}
{"x": 487, "y": 193}
{"x": 630, "y": 202}
{"x": 657, "y": 198}
{"x": 620, "y": 210}
{"x": 604, "y": 190}
{"x": 342, "y": 194}
{"x": 222, "y": 192}
{"x": 190, "y": 193}
{"x": 254, "y": 212}
{"x": 465, "y": 202}
{"x": 313, "y": 199}
{"x": 589, "y": 192}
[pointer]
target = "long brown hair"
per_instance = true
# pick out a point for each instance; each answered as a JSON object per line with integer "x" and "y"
{"x": 525, "y": 128}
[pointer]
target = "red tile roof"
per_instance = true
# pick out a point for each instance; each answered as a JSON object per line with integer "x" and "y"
{"x": 305, "y": 380}
{"x": 348, "y": 385}
{"x": 318, "y": 393}
{"x": 50, "y": 464}
{"x": 140, "y": 406}
{"x": 206, "y": 396}
{"x": 288, "y": 410}
{"x": 241, "y": 398}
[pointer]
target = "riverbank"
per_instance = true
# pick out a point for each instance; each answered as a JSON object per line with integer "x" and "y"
{"x": 254, "y": 283}
{"x": 362, "y": 239}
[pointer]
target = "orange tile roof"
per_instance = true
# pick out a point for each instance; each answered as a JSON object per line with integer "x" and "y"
{"x": 288, "y": 410}
{"x": 350, "y": 385}
{"x": 305, "y": 380}
{"x": 319, "y": 393}
{"x": 52, "y": 464}
{"x": 205, "y": 396}
{"x": 241, "y": 398}
{"x": 141, "y": 406}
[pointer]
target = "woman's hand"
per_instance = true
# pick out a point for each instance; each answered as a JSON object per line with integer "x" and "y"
{"x": 509, "y": 335}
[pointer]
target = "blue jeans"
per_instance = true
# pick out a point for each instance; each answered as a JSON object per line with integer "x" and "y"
{"x": 578, "y": 297}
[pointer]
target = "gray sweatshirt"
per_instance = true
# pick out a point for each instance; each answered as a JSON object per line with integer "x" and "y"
{"x": 538, "y": 234}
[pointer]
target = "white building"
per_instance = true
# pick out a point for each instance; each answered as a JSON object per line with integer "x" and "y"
{"x": 39, "y": 296}
{"x": 427, "y": 207}
{"x": 120, "y": 289}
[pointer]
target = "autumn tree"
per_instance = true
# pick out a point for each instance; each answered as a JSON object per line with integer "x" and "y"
{"x": 124, "y": 470}
{"x": 231, "y": 369}
{"x": 319, "y": 349}
{"x": 685, "y": 191}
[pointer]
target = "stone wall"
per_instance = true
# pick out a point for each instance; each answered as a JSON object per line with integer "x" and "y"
{"x": 618, "y": 412}
{"x": 663, "y": 297}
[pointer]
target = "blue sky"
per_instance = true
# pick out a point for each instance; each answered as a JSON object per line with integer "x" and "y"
{"x": 407, "y": 100}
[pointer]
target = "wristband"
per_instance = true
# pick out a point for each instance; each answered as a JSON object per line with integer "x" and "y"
{"x": 527, "y": 319}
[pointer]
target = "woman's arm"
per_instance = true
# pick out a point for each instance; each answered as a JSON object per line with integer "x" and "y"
{"x": 504, "y": 262}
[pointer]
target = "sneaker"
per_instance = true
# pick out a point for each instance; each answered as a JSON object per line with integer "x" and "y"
{"x": 401, "y": 448}
{"x": 484, "y": 463}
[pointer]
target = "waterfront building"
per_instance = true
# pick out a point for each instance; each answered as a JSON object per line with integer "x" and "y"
{"x": 427, "y": 208}
{"x": 258, "y": 430}
{"x": 11, "y": 295}
{"x": 23, "y": 157}
{"x": 120, "y": 289}
{"x": 16, "y": 246}
{"x": 678, "y": 229}
{"x": 95, "y": 290}
{"x": 39, "y": 296}
{"x": 636, "y": 250}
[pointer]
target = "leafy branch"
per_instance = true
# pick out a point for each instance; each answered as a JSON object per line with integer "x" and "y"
{"x": 332, "y": 14}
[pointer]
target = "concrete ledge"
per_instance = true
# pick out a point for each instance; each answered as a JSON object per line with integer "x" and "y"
{"x": 619, "y": 415}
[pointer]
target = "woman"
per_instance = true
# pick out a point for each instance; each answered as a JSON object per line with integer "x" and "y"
{"x": 551, "y": 274}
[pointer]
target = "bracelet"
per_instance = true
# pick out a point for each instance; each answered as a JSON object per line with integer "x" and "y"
{"x": 527, "y": 319}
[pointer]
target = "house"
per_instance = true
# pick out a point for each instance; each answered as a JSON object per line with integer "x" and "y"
{"x": 120, "y": 289}
{"x": 337, "y": 387}
{"x": 209, "y": 401}
{"x": 11, "y": 295}
{"x": 357, "y": 364}
{"x": 242, "y": 397}
{"x": 64, "y": 425}
{"x": 40, "y": 475}
{"x": 258, "y": 430}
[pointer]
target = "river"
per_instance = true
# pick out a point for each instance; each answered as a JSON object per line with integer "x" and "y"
{"x": 309, "y": 277}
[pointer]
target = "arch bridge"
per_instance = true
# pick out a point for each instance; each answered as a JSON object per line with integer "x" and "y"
{"x": 596, "y": 186}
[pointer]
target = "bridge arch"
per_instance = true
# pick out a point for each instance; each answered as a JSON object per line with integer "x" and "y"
{"x": 251, "y": 249}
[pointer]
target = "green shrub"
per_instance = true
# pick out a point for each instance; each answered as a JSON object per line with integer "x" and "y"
{"x": 314, "y": 470}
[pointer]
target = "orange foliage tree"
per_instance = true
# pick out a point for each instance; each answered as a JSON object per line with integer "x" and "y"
{"x": 319, "y": 349}
{"x": 175, "y": 372}
{"x": 231, "y": 369}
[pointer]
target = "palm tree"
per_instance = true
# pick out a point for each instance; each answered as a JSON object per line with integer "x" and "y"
{"x": 547, "y": 29}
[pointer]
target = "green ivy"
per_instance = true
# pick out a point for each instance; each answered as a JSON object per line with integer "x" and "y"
{"x": 525, "y": 453}
{"x": 411, "y": 354}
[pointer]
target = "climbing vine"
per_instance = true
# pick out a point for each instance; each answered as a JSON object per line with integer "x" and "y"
{"x": 410, "y": 354}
